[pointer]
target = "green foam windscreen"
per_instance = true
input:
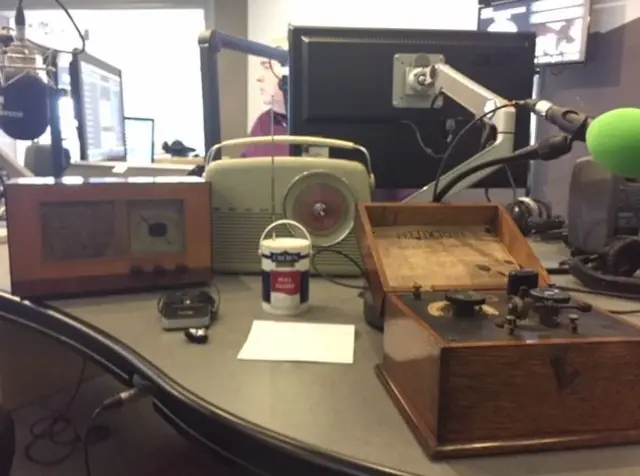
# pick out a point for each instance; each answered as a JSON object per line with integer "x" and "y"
{"x": 613, "y": 139}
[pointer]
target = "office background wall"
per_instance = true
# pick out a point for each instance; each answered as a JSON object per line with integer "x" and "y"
{"x": 152, "y": 84}
{"x": 269, "y": 20}
{"x": 609, "y": 79}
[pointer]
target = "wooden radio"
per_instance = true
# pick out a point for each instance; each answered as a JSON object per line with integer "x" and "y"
{"x": 75, "y": 236}
{"x": 482, "y": 355}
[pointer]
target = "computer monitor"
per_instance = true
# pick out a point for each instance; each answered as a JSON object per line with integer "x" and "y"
{"x": 139, "y": 133}
{"x": 96, "y": 89}
{"x": 340, "y": 86}
{"x": 561, "y": 26}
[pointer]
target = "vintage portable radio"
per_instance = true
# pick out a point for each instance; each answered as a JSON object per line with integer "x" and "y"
{"x": 77, "y": 236}
{"x": 482, "y": 355}
{"x": 320, "y": 193}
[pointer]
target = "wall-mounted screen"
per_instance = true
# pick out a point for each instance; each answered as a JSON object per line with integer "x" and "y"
{"x": 561, "y": 26}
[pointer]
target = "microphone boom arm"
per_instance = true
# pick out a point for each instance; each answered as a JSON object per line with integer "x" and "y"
{"x": 212, "y": 43}
{"x": 419, "y": 78}
{"x": 569, "y": 121}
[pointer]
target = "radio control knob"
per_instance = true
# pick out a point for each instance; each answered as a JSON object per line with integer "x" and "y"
{"x": 465, "y": 303}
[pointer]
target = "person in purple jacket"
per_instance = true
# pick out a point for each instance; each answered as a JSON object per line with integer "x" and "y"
{"x": 273, "y": 120}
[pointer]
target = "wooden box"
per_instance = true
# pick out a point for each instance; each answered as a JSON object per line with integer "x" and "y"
{"x": 467, "y": 384}
{"x": 495, "y": 394}
{"x": 439, "y": 247}
{"x": 77, "y": 236}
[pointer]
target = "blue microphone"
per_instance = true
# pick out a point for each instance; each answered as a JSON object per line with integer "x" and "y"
{"x": 24, "y": 103}
{"x": 24, "y": 95}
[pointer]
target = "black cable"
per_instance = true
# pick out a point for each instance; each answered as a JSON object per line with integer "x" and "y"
{"x": 271, "y": 68}
{"x": 85, "y": 438}
{"x": 331, "y": 279}
{"x": 66, "y": 11}
{"x": 421, "y": 143}
{"x": 53, "y": 427}
{"x": 594, "y": 292}
{"x": 571, "y": 289}
{"x": 485, "y": 137}
{"x": 557, "y": 271}
{"x": 117, "y": 401}
{"x": 527, "y": 153}
{"x": 549, "y": 148}
{"x": 83, "y": 42}
{"x": 454, "y": 143}
{"x": 484, "y": 143}
{"x": 512, "y": 182}
{"x": 416, "y": 130}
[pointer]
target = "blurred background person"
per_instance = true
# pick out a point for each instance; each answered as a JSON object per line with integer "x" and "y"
{"x": 273, "y": 120}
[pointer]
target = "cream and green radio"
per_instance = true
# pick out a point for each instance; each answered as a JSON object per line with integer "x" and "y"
{"x": 320, "y": 193}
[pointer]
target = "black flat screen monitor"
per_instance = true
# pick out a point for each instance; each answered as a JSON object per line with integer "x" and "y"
{"x": 561, "y": 26}
{"x": 96, "y": 89}
{"x": 340, "y": 86}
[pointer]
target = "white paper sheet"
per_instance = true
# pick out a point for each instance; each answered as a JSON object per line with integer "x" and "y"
{"x": 299, "y": 342}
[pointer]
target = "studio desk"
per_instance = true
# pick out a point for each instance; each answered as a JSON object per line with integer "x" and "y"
{"x": 280, "y": 418}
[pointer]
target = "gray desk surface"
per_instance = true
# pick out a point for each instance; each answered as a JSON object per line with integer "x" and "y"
{"x": 341, "y": 408}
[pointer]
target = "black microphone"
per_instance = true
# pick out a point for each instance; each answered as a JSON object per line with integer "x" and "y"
{"x": 569, "y": 121}
{"x": 24, "y": 95}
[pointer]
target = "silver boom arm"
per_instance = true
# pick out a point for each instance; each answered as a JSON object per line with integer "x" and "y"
{"x": 12, "y": 168}
{"x": 417, "y": 81}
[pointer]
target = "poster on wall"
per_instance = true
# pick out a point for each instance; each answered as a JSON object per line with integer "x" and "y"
{"x": 271, "y": 118}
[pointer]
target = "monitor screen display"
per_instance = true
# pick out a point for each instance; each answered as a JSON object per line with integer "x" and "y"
{"x": 561, "y": 26}
{"x": 102, "y": 112}
{"x": 139, "y": 133}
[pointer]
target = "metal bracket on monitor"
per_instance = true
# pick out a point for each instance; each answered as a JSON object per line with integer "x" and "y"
{"x": 418, "y": 81}
{"x": 412, "y": 81}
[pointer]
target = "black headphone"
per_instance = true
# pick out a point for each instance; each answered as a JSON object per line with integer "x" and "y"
{"x": 611, "y": 270}
{"x": 283, "y": 85}
{"x": 532, "y": 215}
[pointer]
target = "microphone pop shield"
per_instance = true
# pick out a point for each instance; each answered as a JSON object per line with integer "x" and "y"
{"x": 24, "y": 103}
{"x": 613, "y": 140}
